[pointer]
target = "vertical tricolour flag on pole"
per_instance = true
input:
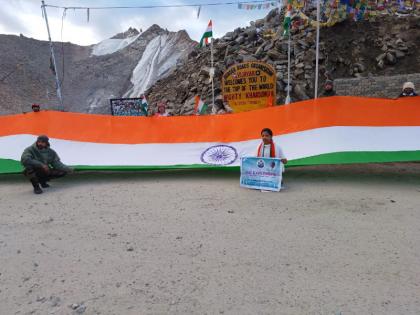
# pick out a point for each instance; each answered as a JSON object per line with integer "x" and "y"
{"x": 287, "y": 18}
{"x": 200, "y": 107}
{"x": 144, "y": 105}
{"x": 207, "y": 34}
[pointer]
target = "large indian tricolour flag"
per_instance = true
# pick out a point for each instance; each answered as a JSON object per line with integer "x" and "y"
{"x": 331, "y": 130}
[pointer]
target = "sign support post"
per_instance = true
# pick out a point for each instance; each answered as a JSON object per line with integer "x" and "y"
{"x": 57, "y": 80}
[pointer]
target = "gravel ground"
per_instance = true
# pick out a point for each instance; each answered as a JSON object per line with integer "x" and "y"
{"x": 339, "y": 240}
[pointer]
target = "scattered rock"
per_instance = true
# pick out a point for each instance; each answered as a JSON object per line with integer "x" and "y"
{"x": 399, "y": 41}
{"x": 240, "y": 40}
{"x": 381, "y": 57}
{"x": 80, "y": 309}
{"x": 41, "y": 299}
{"x": 275, "y": 55}
{"x": 399, "y": 54}
{"x": 55, "y": 301}
{"x": 299, "y": 90}
{"x": 74, "y": 306}
{"x": 390, "y": 58}
{"x": 248, "y": 58}
{"x": 360, "y": 67}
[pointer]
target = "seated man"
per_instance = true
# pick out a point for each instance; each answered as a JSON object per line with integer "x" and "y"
{"x": 42, "y": 163}
{"x": 408, "y": 90}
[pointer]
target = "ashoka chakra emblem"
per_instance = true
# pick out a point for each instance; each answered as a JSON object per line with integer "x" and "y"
{"x": 219, "y": 155}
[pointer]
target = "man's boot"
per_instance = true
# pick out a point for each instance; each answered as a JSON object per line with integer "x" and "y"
{"x": 44, "y": 185}
{"x": 35, "y": 184}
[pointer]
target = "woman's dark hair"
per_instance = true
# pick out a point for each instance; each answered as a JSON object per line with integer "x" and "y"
{"x": 267, "y": 130}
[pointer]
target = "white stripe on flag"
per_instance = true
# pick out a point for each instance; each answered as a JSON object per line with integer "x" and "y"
{"x": 295, "y": 145}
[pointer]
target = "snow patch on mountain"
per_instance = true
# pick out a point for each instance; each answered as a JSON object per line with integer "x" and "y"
{"x": 159, "y": 58}
{"x": 111, "y": 45}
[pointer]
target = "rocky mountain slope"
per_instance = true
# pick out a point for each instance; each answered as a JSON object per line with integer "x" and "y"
{"x": 385, "y": 46}
{"x": 169, "y": 67}
{"x": 124, "y": 65}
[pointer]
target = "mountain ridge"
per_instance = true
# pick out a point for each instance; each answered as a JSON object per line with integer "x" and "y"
{"x": 169, "y": 67}
{"x": 88, "y": 80}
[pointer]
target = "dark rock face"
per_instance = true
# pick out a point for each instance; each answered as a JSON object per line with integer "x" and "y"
{"x": 128, "y": 33}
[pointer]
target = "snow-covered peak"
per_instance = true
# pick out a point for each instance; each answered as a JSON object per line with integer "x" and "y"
{"x": 111, "y": 45}
{"x": 160, "y": 56}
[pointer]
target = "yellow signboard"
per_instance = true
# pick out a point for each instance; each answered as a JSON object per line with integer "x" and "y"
{"x": 249, "y": 85}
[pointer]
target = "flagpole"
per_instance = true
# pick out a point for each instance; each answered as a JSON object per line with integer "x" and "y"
{"x": 212, "y": 70}
{"x": 57, "y": 80}
{"x": 287, "y": 101}
{"x": 317, "y": 48}
{"x": 288, "y": 70}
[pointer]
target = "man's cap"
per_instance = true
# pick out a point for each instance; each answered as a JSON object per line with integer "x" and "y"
{"x": 408, "y": 85}
{"x": 43, "y": 138}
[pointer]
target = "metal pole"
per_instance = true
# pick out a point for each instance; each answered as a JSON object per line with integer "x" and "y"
{"x": 212, "y": 70}
{"x": 317, "y": 49}
{"x": 57, "y": 80}
{"x": 288, "y": 70}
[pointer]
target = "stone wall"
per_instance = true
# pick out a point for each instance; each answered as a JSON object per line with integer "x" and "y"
{"x": 384, "y": 87}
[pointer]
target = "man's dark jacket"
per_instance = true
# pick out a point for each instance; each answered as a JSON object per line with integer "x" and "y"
{"x": 33, "y": 158}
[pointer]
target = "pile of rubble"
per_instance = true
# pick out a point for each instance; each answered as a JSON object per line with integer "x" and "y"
{"x": 387, "y": 45}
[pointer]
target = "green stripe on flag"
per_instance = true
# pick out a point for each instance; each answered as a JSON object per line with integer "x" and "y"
{"x": 287, "y": 18}
{"x": 358, "y": 157}
{"x": 207, "y": 34}
{"x": 286, "y": 26}
{"x": 11, "y": 166}
{"x": 203, "y": 109}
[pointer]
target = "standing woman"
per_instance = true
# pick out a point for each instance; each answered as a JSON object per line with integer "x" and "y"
{"x": 268, "y": 148}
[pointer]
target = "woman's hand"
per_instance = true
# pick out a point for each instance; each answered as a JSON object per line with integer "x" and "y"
{"x": 284, "y": 161}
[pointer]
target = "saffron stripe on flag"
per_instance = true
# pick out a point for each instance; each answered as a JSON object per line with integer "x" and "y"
{"x": 295, "y": 117}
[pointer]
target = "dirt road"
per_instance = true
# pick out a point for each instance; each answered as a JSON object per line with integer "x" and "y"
{"x": 339, "y": 240}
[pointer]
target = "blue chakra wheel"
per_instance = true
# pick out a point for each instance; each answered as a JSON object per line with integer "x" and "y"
{"x": 219, "y": 155}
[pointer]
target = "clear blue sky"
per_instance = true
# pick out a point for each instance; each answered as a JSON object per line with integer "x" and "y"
{"x": 24, "y": 16}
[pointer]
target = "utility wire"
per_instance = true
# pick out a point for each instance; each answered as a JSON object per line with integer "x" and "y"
{"x": 162, "y": 6}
